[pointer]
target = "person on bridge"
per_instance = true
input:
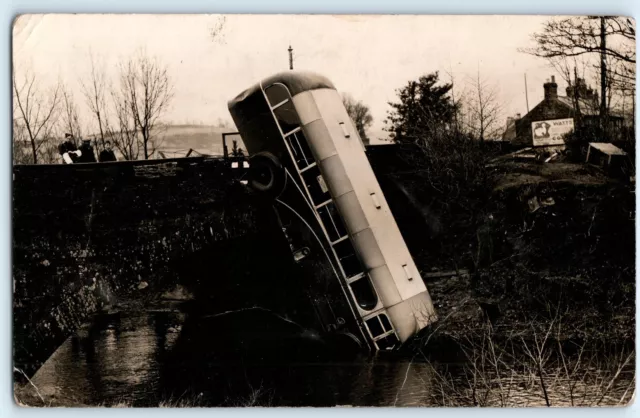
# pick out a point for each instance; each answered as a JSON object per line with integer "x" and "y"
{"x": 87, "y": 152}
{"x": 107, "y": 153}
{"x": 70, "y": 154}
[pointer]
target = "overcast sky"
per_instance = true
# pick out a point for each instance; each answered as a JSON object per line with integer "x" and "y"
{"x": 368, "y": 57}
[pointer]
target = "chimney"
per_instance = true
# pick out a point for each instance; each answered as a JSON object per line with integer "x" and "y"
{"x": 517, "y": 115}
{"x": 510, "y": 121}
{"x": 551, "y": 89}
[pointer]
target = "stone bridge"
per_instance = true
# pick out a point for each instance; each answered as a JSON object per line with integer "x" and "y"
{"x": 91, "y": 237}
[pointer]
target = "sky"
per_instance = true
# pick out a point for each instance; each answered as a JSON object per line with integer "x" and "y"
{"x": 366, "y": 56}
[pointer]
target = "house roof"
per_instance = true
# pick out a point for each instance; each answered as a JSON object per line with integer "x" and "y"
{"x": 587, "y": 107}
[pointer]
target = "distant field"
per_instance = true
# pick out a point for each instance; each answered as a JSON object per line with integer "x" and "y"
{"x": 176, "y": 140}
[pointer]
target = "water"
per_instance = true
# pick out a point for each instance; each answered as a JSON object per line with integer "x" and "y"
{"x": 130, "y": 359}
{"x": 159, "y": 357}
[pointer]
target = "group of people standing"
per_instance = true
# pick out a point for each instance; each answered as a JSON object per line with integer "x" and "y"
{"x": 72, "y": 154}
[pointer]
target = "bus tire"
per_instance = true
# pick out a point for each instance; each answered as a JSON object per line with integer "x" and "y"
{"x": 266, "y": 174}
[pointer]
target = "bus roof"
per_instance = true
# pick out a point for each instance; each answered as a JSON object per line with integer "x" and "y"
{"x": 296, "y": 81}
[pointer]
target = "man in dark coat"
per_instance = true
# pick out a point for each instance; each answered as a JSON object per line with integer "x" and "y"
{"x": 87, "y": 152}
{"x": 69, "y": 152}
{"x": 107, "y": 153}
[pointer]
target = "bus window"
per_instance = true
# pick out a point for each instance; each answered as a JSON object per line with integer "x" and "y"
{"x": 379, "y": 325}
{"x": 287, "y": 117}
{"x": 316, "y": 185}
{"x": 386, "y": 325}
{"x": 300, "y": 149}
{"x": 347, "y": 256}
{"x": 364, "y": 293}
{"x": 374, "y": 326}
{"x": 277, "y": 94}
{"x": 332, "y": 221}
{"x": 388, "y": 343}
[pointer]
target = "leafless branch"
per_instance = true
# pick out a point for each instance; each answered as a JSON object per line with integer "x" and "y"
{"x": 147, "y": 90}
{"x": 35, "y": 112}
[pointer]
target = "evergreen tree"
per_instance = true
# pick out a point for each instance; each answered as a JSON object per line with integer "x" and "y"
{"x": 424, "y": 107}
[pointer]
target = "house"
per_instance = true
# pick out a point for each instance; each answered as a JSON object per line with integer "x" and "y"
{"x": 555, "y": 115}
{"x": 510, "y": 130}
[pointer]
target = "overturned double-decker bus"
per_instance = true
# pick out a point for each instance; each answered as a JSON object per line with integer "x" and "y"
{"x": 307, "y": 156}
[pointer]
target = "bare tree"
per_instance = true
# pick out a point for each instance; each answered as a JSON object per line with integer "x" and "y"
{"x": 612, "y": 39}
{"x": 359, "y": 114}
{"x": 573, "y": 71}
{"x": 484, "y": 109}
{"x": 125, "y": 134}
{"x": 35, "y": 112}
{"x": 95, "y": 92}
{"x": 21, "y": 146}
{"x": 580, "y": 35}
{"x": 70, "y": 119}
{"x": 148, "y": 89}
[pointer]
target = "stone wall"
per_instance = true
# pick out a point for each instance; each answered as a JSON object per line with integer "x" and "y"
{"x": 93, "y": 237}
{"x": 88, "y": 237}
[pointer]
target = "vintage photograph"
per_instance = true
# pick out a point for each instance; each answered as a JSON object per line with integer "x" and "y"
{"x": 323, "y": 211}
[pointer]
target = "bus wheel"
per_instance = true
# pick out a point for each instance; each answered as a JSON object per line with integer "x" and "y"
{"x": 266, "y": 174}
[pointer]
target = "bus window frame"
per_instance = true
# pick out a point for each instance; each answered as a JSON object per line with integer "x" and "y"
{"x": 310, "y": 159}
{"x": 345, "y": 280}
{"x": 337, "y": 224}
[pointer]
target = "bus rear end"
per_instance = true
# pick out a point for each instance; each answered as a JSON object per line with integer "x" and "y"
{"x": 299, "y": 121}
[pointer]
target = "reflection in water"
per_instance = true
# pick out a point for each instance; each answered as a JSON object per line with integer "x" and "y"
{"x": 117, "y": 359}
{"x": 129, "y": 359}
{"x": 146, "y": 359}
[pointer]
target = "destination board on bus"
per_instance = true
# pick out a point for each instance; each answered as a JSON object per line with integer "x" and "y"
{"x": 550, "y": 132}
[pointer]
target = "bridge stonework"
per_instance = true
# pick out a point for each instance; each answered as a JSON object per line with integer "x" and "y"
{"x": 91, "y": 236}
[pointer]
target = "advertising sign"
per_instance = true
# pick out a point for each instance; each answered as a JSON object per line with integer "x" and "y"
{"x": 550, "y": 132}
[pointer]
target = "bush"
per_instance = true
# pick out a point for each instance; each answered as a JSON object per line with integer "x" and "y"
{"x": 446, "y": 176}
